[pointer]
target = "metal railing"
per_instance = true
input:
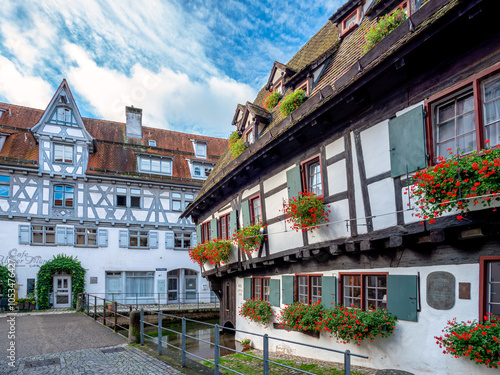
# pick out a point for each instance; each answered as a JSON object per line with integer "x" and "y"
{"x": 93, "y": 305}
{"x": 200, "y": 299}
{"x": 266, "y": 362}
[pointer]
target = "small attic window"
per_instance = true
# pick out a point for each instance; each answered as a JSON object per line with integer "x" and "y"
{"x": 279, "y": 87}
{"x": 350, "y": 22}
{"x": 152, "y": 143}
{"x": 200, "y": 150}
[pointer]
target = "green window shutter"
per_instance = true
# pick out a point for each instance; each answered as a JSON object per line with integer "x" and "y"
{"x": 274, "y": 292}
{"x": 198, "y": 234}
{"x": 287, "y": 289}
{"x": 328, "y": 291}
{"x": 293, "y": 182}
{"x": 214, "y": 229}
{"x": 247, "y": 288}
{"x": 402, "y": 296}
{"x": 245, "y": 213}
{"x": 407, "y": 142}
{"x": 233, "y": 222}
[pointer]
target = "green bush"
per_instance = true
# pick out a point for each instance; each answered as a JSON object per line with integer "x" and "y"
{"x": 292, "y": 101}
{"x": 236, "y": 144}
{"x": 382, "y": 28}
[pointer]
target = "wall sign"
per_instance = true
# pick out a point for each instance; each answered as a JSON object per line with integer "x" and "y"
{"x": 441, "y": 290}
{"x": 23, "y": 258}
{"x": 93, "y": 280}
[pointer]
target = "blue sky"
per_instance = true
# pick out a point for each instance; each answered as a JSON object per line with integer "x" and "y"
{"x": 186, "y": 63}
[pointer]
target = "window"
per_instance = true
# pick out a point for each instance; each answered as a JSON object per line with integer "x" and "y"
{"x": 64, "y": 196}
{"x": 205, "y": 232}
{"x": 4, "y": 186}
{"x": 43, "y": 234}
{"x": 201, "y": 171}
{"x": 124, "y": 199}
{"x": 305, "y": 87}
{"x": 138, "y": 238}
{"x": 155, "y": 165}
{"x": 188, "y": 198}
{"x": 201, "y": 150}
{"x": 139, "y": 284}
{"x": 364, "y": 291}
{"x": 197, "y": 171}
{"x": 152, "y": 143}
{"x": 350, "y": 22}
{"x": 225, "y": 227}
{"x": 30, "y": 286}
{"x": 182, "y": 240}
{"x": 465, "y": 116}
{"x": 308, "y": 288}
{"x": 176, "y": 202}
{"x": 249, "y": 136}
{"x": 207, "y": 171}
{"x": 279, "y": 87}
{"x": 490, "y": 286}
{"x": 260, "y": 288}
{"x": 255, "y": 210}
{"x": 86, "y": 237}
{"x": 312, "y": 176}
{"x": 63, "y": 154}
{"x": 63, "y": 116}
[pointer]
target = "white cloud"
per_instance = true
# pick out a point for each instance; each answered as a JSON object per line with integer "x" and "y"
{"x": 23, "y": 90}
{"x": 166, "y": 97}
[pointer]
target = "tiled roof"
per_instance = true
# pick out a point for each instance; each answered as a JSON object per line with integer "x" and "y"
{"x": 345, "y": 55}
{"x": 259, "y": 111}
{"x": 115, "y": 153}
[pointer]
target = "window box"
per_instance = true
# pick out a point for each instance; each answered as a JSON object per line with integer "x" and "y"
{"x": 307, "y": 212}
{"x": 271, "y": 100}
{"x": 257, "y": 310}
{"x": 214, "y": 252}
{"x": 250, "y": 238}
{"x": 384, "y": 27}
{"x": 292, "y": 101}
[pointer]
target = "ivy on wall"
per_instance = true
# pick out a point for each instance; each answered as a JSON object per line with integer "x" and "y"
{"x": 4, "y": 279}
{"x": 59, "y": 264}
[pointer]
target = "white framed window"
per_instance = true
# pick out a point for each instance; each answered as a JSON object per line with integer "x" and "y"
{"x": 182, "y": 240}
{"x": 63, "y": 116}
{"x": 43, "y": 234}
{"x": 64, "y": 196}
{"x": 86, "y": 237}
{"x": 63, "y": 154}
{"x": 128, "y": 197}
{"x": 176, "y": 202}
{"x": 138, "y": 238}
{"x": 152, "y": 143}
{"x": 154, "y": 165}
{"x": 201, "y": 150}
{"x": 139, "y": 284}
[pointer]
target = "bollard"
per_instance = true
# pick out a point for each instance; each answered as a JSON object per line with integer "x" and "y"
{"x": 142, "y": 326}
{"x": 216, "y": 350}
{"x": 183, "y": 342}
{"x": 265, "y": 348}
{"x": 134, "y": 332}
{"x": 347, "y": 362}
{"x": 160, "y": 322}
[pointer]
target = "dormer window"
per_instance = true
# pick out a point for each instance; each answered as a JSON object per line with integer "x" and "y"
{"x": 350, "y": 22}
{"x": 154, "y": 165}
{"x": 63, "y": 116}
{"x": 200, "y": 150}
{"x": 250, "y": 136}
{"x": 279, "y": 88}
{"x": 152, "y": 143}
{"x": 304, "y": 86}
{"x": 200, "y": 170}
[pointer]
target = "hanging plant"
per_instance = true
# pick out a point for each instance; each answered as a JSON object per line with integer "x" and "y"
{"x": 455, "y": 182}
{"x": 214, "y": 252}
{"x": 480, "y": 342}
{"x": 382, "y": 28}
{"x": 271, "y": 100}
{"x": 59, "y": 263}
{"x": 257, "y": 310}
{"x": 307, "y": 212}
{"x": 292, "y": 101}
{"x": 236, "y": 144}
{"x": 249, "y": 238}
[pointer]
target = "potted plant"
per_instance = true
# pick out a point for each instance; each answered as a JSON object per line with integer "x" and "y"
{"x": 382, "y": 28}
{"x": 302, "y": 317}
{"x": 292, "y": 101}
{"x": 257, "y": 310}
{"x": 214, "y": 252}
{"x": 271, "y": 100}
{"x": 245, "y": 344}
{"x": 250, "y": 238}
{"x": 307, "y": 212}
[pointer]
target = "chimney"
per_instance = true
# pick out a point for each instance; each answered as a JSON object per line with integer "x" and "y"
{"x": 134, "y": 122}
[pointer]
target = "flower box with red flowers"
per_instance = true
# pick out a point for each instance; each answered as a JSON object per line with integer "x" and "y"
{"x": 214, "y": 252}
{"x": 271, "y": 100}
{"x": 249, "y": 238}
{"x": 257, "y": 310}
{"x": 307, "y": 212}
{"x": 456, "y": 183}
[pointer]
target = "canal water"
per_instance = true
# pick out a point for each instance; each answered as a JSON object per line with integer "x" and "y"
{"x": 200, "y": 331}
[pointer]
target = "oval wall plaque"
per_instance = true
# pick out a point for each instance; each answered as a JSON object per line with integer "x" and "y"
{"x": 441, "y": 290}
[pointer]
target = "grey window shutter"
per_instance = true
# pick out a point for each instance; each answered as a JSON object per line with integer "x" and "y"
{"x": 123, "y": 240}
{"x": 169, "y": 240}
{"x": 24, "y": 234}
{"x": 287, "y": 289}
{"x": 233, "y": 222}
{"x": 274, "y": 292}
{"x": 60, "y": 236}
{"x": 402, "y": 296}
{"x": 153, "y": 240}
{"x": 198, "y": 233}
{"x": 245, "y": 213}
{"x": 194, "y": 239}
{"x": 293, "y": 182}
{"x": 407, "y": 142}
{"x": 70, "y": 236}
{"x": 102, "y": 237}
{"x": 247, "y": 288}
{"x": 214, "y": 229}
{"x": 328, "y": 291}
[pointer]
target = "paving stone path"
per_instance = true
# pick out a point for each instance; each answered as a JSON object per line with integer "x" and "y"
{"x": 116, "y": 360}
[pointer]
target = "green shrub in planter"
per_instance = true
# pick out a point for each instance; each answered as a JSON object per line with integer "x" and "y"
{"x": 292, "y": 101}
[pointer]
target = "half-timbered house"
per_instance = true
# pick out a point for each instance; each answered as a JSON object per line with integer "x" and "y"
{"x": 108, "y": 193}
{"x": 371, "y": 120}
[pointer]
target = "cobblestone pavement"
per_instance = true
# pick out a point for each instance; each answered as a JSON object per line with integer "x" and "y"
{"x": 120, "y": 360}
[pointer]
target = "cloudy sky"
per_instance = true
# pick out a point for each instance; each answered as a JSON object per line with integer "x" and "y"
{"x": 187, "y": 63}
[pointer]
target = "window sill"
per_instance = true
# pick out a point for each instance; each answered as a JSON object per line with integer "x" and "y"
{"x": 139, "y": 248}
